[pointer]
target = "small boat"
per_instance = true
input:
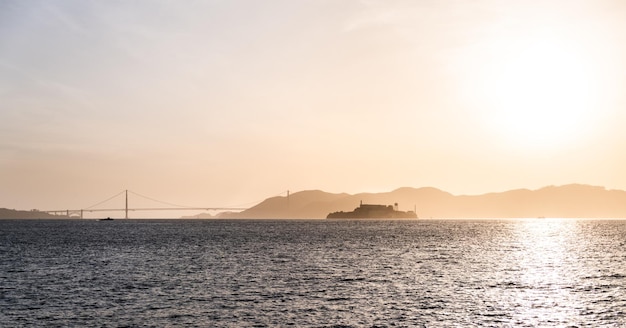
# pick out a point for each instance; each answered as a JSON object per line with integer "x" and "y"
{"x": 107, "y": 219}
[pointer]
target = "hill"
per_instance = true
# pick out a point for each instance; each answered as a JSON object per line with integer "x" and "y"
{"x": 568, "y": 201}
{"x": 6, "y": 213}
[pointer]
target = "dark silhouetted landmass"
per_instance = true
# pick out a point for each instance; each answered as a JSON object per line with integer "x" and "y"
{"x": 370, "y": 211}
{"x": 210, "y": 216}
{"x": 32, "y": 214}
{"x": 569, "y": 201}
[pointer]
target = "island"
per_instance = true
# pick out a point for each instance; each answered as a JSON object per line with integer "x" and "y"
{"x": 372, "y": 211}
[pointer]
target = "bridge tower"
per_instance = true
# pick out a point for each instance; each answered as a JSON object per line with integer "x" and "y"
{"x": 126, "y": 208}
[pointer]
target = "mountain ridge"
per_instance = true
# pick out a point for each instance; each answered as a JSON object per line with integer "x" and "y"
{"x": 567, "y": 201}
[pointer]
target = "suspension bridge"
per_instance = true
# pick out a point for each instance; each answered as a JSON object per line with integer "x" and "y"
{"x": 171, "y": 207}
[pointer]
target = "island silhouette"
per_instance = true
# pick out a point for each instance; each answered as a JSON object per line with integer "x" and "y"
{"x": 373, "y": 211}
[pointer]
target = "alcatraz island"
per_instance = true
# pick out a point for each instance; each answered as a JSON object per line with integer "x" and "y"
{"x": 371, "y": 211}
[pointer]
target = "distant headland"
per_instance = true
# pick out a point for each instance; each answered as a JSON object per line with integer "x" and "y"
{"x": 6, "y": 213}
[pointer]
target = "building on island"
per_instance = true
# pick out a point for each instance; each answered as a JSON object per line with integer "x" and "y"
{"x": 372, "y": 211}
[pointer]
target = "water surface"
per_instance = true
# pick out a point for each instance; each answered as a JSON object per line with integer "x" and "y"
{"x": 316, "y": 273}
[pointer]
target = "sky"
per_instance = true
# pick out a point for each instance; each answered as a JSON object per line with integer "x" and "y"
{"x": 226, "y": 103}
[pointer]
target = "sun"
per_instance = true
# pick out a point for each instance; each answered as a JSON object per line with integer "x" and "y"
{"x": 541, "y": 95}
{"x": 536, "y": 92}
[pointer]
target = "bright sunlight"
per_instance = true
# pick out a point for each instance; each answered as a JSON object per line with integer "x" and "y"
{"x": 540, "y": 91}
{"x": 541, "y": 95}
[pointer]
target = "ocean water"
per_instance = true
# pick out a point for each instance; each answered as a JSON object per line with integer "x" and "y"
{"x": 313, "y": 273}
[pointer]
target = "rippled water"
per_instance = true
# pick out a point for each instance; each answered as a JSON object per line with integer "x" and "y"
{"x": 233, "y": 273}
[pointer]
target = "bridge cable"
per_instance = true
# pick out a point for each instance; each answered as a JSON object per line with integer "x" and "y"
{"x": 177, "y": 205}
{"x": 106, "y": 200}
{"x": 162, "y": 202}
{"x": 259, "y": 201}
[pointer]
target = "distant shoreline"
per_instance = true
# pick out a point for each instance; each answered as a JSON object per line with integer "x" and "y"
{"x": 6, "y": 213}
{"x": 568, "y": 201}
{"x": 314, "y": 219}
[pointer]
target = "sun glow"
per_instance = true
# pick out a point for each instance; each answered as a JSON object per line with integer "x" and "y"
{"x": 540, "y": 91}
{"x": 541, "y": 95}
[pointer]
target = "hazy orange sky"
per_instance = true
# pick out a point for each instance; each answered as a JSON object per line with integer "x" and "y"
{"x": 229, "y": 102}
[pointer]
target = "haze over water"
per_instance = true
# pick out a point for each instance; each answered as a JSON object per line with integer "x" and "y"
{"x": 321, "y": 273}
{"x": 213, "y": 104}
{"x": 218, "y": 103}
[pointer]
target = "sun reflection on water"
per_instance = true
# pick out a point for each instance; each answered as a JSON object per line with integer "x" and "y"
{"x": 546, "y": 258}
